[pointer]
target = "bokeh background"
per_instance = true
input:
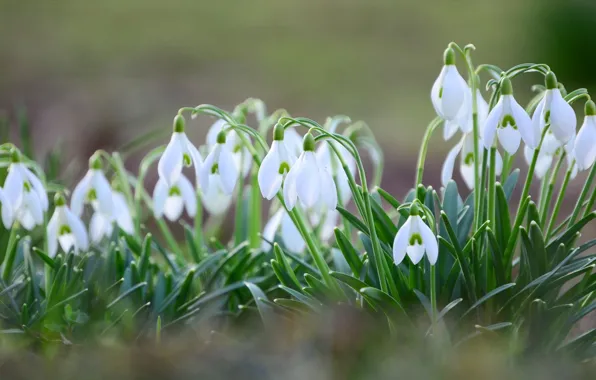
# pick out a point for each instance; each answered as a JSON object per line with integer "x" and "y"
{"x": 94, "y": 74}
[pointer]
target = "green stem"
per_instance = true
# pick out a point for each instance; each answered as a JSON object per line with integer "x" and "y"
{"x": 172, "y": 243}
{"x": 254, "y": 226}
{"x": 492, "y": 182}
{"x": 559, "y": 202}
{"x": 239, "y": 217}
{"x": 423, "y": 149}
{"x": 545, "y": 203}
{"x": 199, "y": 224}
{"x": 582, "y": 196}
{"x": 433, "y": 297}
{"x": 11, "y": 252}
{"x": 507, "y": 161}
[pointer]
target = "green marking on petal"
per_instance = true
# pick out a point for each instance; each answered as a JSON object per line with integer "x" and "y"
{"x": 91, "y": 195}
{"x": 27, "y": 186}
{"x": 441, "y": 93}
{"x": 284, "y": 167}
{"x": 415, "y": 239}
{"x": 174, "y": 191}
{"x": 547, "y": 117}
{"x": 186, "y": 159}
{"x": 469, "y": 159}
{"x": 508, "y": 120}
{"x": 215, "y": 169}
{"x": 237, "y": 148}
{"x": 64, "y": 230}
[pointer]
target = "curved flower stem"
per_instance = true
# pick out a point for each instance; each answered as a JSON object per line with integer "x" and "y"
{"x": 582, "y": 196}
{"x": 507, "y": 162}
{"x": 423, "y": 150}
{"x": 559, "y": 201}
{"x": 11, "y": 252}
{"x": 546, "y": 197}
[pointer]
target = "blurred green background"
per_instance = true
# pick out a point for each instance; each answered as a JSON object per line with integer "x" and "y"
{"x": 94, "y": 74}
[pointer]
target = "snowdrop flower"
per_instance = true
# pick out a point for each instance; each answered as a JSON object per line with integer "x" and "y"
{"x": 543, "y": 162}
{"x": 448, "y": 93}
{"x": 327, "y": 158}
{"x": 7, "y": 213}
{"x": 465, "y": 150}
{"x": 293, "y": 142}
{"x": 220, "y": 162}
{"x": 308, "y": 181}
{"x": 289, "y": 234}
{"x": 275, "y": 165}
{"x": 171, "y": 200}
{"x": 66, "y": 229}
{"x": 25, "y": 193}
{"x": 240, "y": 153}
{"x": 103, "y": 225}
{"x": 510, "y": 122}
{"x": 215, "y": 200}
{"x": 94, "y": 189}
{"x": 585, "y": 142}
{"x": 465, "y": 120}
{"x": 415, "y": 238}
{"x": 549, "y": 150}
{"x": 554, "y": 110}
{"x": 180, "y": 152}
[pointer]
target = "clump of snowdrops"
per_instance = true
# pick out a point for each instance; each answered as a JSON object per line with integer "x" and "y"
{"x": 112, "y": 259}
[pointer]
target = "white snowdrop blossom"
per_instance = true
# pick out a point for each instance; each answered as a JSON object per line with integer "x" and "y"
{"x": 543, "y": 162}
{"x": 510, "y": 123}
{"x": 240, "y": 153}
{"x": 171, "y": 200}
{"x": 553, "y": 110}
{"x": 281, "y": 223}
{"x": 215, "y": 200}
{"x": 25, "y": 193}
{"x": 415, "y": 239}
{"x": 179, "y": 152}
{"x": 102, "y": 225}
{"x": 465, "y": 150}
{"x": 549, "y": 150}
{"x": 220, "y": 163}
{"x": 448, "y": 93}
{"x": 275, "y": 165}
{"x": 93, "y": 189}
{"x": 464, "y": 120}
{"x": 584, "y": 150}
{"x": 327, "y": 158}
{"x": 65, "y": 229}
{"x": 7, "y": 213}
{"x": 308, "y": 181}
{"x": 293, "y": 142}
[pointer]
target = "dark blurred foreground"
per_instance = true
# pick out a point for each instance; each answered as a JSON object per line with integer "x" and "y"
{"x": 340, "y": 345}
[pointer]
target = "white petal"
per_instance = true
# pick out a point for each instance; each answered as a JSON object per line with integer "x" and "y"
{"x": 214, "y": 130}
{"x": 78, "y": 230}
{"x": 538, "y": 117}
{"x": 123, "y": 216}
{"x": 103, "y": 191}
{"x": 401, "y": 241}
{"x": 448, "y": 164}
{"x": 52, "y": 233}
{"x": 434, "y": 93}
{"x": 38, "y": 188}
{"x": 268, "y": 177}
{"x": 467, "y": 173}
{"x": 290, "y": 235}
{"x": 99, "y": 227}
{"x": 7, "y": 213}
{"x": 30, "y": 213}
{"x": 189, "y": 196}
{"x": 308, "y": 180}
{"x": 550, "y": 144}
{"x": 228, "y": 172}
{"x": 173, "y": 207}
{"x": 491, "y": 124}
{"x": 328, "y": 189}
{"x": 331, "y": 221}
{"x": 77, "y": 200}
{"x": 528, "y": 132}
{"x": 205, "y": 172}
{"x": 429, "y": 240}
{"x": 293, "y": 142}
{"x": 13, "y": 185}
{"x": 215, "y": 201}
{"x": 416, "y": 251}
{"x": 585, "y": 144}
{"x": 563, "y": 120}
{"x": 160, "y": 194}
{"x": 289, "y": 189}
{"x": 509, "y": 138}
{"x": 271, "y": 228}
{"x": 453, "y": 94}
{"x": 450, "y": 128}
{"x": 171, "y": 162}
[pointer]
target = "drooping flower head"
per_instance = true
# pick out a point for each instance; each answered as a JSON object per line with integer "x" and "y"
{"x": 308, "y": 181}
{"x": 7, "y": 212}
{"x": 275, "y": 165}
{"x": 449, "y": 92}
{"x": 553, "y": 110}
{"x": 65, "y": 229}
{"x": 171, "y": 200}
{"x": 26, "y": 193}
{"x": 584, "y": 150}
{"x": 93, "y": 189}
{"x": 510, "y": 123}
{"x": 415, "y": 239}
{"x": 220, "y": 163}
{"x": 102, "y": 225}
{"x": 240, "y": 153}
{"x": 180, "y": 152}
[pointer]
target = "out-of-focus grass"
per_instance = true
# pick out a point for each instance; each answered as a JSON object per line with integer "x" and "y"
{"x": 81, "y": 65}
